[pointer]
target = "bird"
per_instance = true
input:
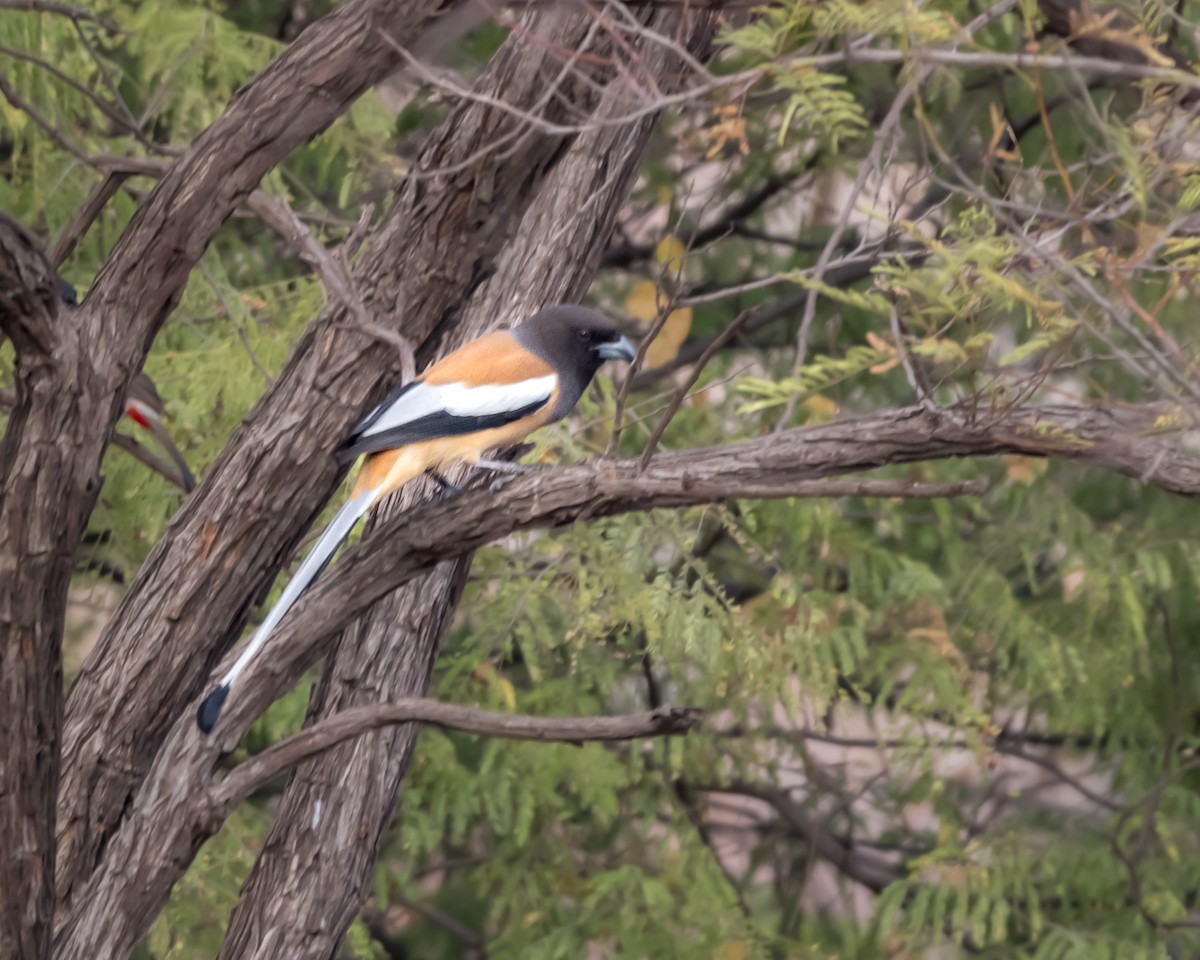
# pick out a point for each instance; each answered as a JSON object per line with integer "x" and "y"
{"x": 143, "y": 405}
{"x": 490, "y": 393}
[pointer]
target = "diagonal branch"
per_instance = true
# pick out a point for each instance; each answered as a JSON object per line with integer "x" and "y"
{"x": 334, "y": 275}
{"x": 857, "y": 865}
{"x": 296, "y": 97}
{"x": 781, "y": 466}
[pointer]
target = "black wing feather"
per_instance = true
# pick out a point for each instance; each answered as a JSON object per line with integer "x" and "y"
{"x": 430, "y": 427}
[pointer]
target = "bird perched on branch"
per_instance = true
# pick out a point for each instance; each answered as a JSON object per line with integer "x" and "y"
{"x": 489, "y": 394}
{"x": 143, "y": 405}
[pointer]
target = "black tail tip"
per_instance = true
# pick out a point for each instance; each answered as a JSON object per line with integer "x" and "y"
{"x": 210, "y": 709}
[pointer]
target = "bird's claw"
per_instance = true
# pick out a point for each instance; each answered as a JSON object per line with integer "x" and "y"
{"x": 445, "y": 487}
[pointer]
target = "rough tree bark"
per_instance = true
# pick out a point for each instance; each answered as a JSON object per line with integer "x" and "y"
{"x": 137, "y": 796}
{"x": 37, "y": 548}
{"x": 314, "y": 872}
{"x": 224, "y": 548}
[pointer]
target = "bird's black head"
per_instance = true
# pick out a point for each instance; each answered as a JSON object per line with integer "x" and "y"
{"x": 576, "y": 339}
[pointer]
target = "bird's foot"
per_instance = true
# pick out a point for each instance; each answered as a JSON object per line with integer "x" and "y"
{"x": 445, "y": 487}
{"x": 504, "y": 466}
{"x": 507, "y": 468}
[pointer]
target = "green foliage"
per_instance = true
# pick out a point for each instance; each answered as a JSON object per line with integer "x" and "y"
{"x": 816, "y": 377}
{"x": 819, "y": 105}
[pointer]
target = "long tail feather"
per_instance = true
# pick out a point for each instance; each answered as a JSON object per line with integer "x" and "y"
{"x": 339, "y": 528}
{"x": 164, "y": 438}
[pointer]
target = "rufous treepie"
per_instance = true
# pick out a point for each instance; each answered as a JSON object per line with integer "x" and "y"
{"x": 488, "y": 394}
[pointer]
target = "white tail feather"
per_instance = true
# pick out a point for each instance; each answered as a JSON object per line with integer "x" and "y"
{"x": 339, "y": 528}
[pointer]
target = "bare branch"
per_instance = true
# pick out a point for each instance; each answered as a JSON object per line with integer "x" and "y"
{"x": 859, "y": 866}
{"x": 872, "y": 164}
{"x": 783, "y": 465}
{"x": 107, "y": 109}
{"x": 20, "y": 103}
{"x": 338, "y": 282}
{"x": 841, "y": 273}
{"x": 86, "y": 215}
{"x": 628, "y": 254}
{"x": 681, "y": 391}
{"x": 248, "y": 776}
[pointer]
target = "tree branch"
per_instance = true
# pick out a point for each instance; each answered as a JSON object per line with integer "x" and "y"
{"x": 252, "y": 774}
{"x": 781, "y": 466}
{"x": 628, "y": 254}
{"x": 859, "y": 867}
{"x": 62, "y": 9}
{"x": 297, "y": 96}
{"x": 334, "y": 275}
{"x": 841, "y": 273}
{"x": 28, "y": 296}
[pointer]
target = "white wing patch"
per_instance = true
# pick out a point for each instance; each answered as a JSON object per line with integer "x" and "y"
{"x": 462, "y": 400}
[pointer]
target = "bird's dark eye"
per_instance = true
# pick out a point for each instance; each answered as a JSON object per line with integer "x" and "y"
{"x": 584, "y": 335}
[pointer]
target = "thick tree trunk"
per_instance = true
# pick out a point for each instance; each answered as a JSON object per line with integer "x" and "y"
{"x": 334, "y": 813}
{"x": 305, "y": 890}
{"x": 45, "y": 498}
{"x": 71, "y": 383}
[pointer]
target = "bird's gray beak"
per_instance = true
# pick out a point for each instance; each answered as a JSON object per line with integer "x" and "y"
{"x": 620, "y": 349}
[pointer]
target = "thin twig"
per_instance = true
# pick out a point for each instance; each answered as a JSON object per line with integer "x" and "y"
{"x": 664, "y": 314}
{"x": 916, "y": 382}
{"x": 681, "y": 393}
{"x": 872, "y": 163}
{"x": 60, "y": 9}
{"x": 77, "y": 229}
{"x": 334, "y": 274}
